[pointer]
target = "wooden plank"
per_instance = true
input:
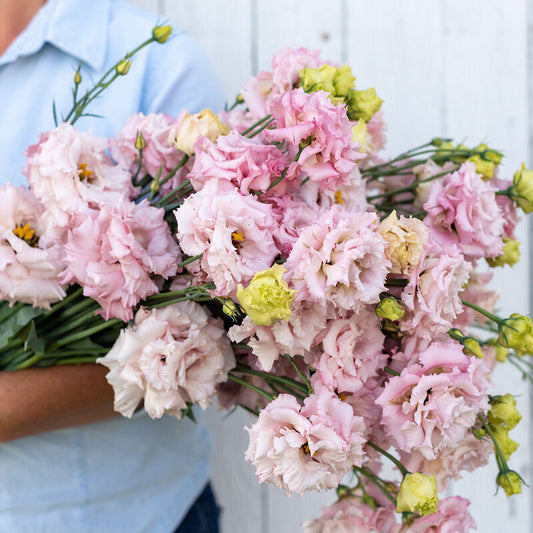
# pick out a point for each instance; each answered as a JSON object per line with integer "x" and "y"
{"x": 486, "y": 99}
{"x": 295, "y": 24}
{"x": 223, "y": 28}
{"x": 396, "y": 47}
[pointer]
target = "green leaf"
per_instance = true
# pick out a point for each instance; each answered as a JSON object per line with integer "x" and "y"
{"x": 31, "y": 339}
{"x": 16, "y": 322}
{"x": 189, "y": 412}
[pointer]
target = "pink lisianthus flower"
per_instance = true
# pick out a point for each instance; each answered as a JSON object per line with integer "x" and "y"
{"x": 169, "y": 357}
{"x": 232, "y": 231}
{"x": 462, "y": 209}
{"x": 246, "y": 163}
{"x": 352, "y": 351}
{"x": 70, "y": 173}
{"x": 351, "y": 196}
{"x": 293, "y": 337}
{"x": 291, "y": 215}
{"x": 157, "y": 154}
{"x": 453, "y": 517}
{"x": 434, "y": 404}
{"x": 30, "y": 257}
{"x": 341, "y": 259}
{"x": 329, "y": 155}
{"x": 351, "y": 515}
{"x": 309, "y": 447}
{"x": 287, "y": 64}
{"x": 377, "y": 132}
{"x": 285, "y": 75}
{"x": 432, "y": 295}
{"x": 115, "y": 253}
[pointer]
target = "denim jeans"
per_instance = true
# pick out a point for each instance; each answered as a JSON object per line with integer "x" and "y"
{"x": 202, "y": 516}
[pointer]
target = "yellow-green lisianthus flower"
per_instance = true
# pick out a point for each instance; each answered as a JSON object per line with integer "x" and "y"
{"x": 267, "y": 298}
{"x": 418, "y": 494}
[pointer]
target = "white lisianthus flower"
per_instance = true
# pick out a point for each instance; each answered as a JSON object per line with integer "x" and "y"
{"x": 170, "y": 357}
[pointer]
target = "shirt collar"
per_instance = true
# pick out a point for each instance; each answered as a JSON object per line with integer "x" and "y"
{"x": 60, "y": 23}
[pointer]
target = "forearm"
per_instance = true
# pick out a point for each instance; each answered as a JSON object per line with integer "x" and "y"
{"x": 39, "y": 400}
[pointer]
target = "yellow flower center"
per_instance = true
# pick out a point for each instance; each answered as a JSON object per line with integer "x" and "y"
{"x": 26, "y": 233}
{"x": 338, "y": 198}
{"x": 236, "y": 238}
{"x": 84, "y": 172}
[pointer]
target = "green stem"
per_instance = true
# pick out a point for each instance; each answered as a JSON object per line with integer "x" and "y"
{"x": 376, "y": 481}
{"x": 172, "y": 173}
{"x": 386, "y": 454}
{"x": 391, "y": 371}
{"x": 190, "y": 260}
{"x": 101, "y": 84}
{"x": 266, "y": 376}
{"x": 174, "y": 192}
{"x": 257, "y": 132}
{"x": 484, "y": 312}
{"x": 253, "y": 126}
{"x": 86, "y": 333}
{"x": 300, "y": 373}
{"x": 502, "y": 463}
{"x": 244, "y": 383}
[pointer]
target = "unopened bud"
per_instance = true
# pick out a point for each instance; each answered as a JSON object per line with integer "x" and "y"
{"x": 161, "y": 33}
{"x": 390, "y": 308}
{"x": 140, "y": 143}
{"x": 123, "y": 67}
{"x": 509, "y": 256}
{"x": 509, "y": 481}
{"x": 472, "y": 347}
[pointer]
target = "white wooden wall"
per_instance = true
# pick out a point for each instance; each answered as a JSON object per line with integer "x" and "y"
{"x": 455, "y": 68}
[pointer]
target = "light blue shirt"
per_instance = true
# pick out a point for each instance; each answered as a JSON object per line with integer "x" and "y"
{"x": 120, "y": 475}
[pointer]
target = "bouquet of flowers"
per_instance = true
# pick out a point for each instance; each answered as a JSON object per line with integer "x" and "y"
{"x": 271, "y": 257}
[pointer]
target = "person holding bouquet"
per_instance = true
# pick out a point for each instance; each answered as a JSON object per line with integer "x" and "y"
{"x": 67, "y": 462}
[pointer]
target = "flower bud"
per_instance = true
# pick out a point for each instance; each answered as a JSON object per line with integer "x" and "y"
{"x": 418, "y": 494}
{"x": 77, "y": 77}
{"x": 140, "y": 143}
{"x": 517, "y": 333}
{"x": 161, "y": 33}
{"x": 522, "y": 189}
{"x": 188, "y": 129}
{"x": 230, "y": 308}
{"x": 509, "y": 256}
{"x": 123, "y": 67}
{"x": 483, "y": 167}
{"x": 509, "y": 481}
{"x": 472, "y": 347}
{"x": 363, "y": 104}
{"x": 503, "y": 411}
{"x": 267, "y": 298}
{"x": 507, "y": 445}
{"x": 390, "y": 308}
